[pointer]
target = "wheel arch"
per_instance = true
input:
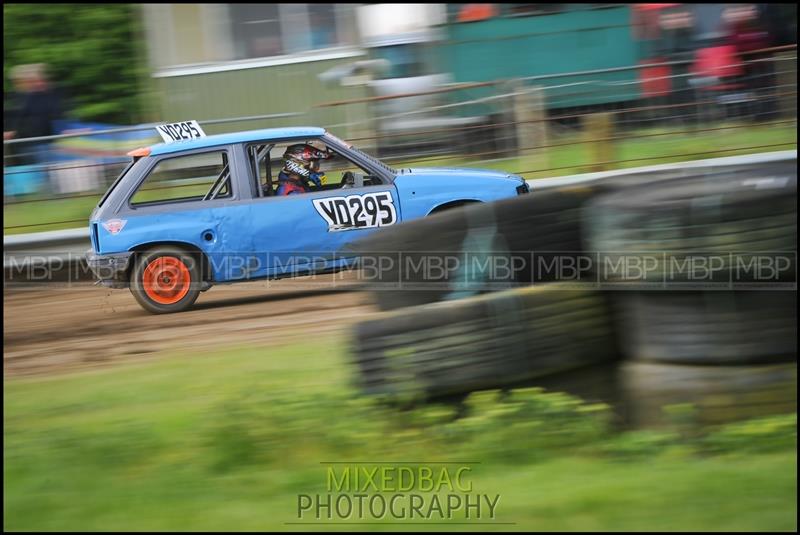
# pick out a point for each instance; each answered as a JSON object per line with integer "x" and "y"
{"x": 452, "y": 204}
{"x": 206, "y": 271}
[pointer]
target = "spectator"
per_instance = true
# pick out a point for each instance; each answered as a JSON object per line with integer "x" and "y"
{"x": 34, "y": 109}
{"x": 748, "y": 37}
{"x": 752, "y": 43}
{"x": 677, "y": 27}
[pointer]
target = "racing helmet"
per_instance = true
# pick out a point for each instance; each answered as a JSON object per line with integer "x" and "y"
{"x": 302, "y": 159}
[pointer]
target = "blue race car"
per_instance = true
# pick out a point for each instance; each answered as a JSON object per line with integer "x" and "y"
{"x": 199, "y": 210}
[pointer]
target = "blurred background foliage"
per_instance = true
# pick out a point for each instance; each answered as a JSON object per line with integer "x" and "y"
{"x": 93, "y": 58}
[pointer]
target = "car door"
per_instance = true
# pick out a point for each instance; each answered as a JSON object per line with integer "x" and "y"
{"x": 295, "y": 234}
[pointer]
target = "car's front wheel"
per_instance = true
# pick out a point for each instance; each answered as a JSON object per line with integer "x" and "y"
{"x": 166, "y": 279}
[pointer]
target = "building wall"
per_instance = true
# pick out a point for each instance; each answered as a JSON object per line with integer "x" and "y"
{"x": 574, "y": 39}
{"x": 202, "y": 70}
{"x": 274, "y": 89}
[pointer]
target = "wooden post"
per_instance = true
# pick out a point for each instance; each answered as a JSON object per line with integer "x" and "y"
{"x": 530, "y": 118}
{"x": 361, "y": 124}
{"x": 786, "y": 78}
{"x": 598, "y": 128}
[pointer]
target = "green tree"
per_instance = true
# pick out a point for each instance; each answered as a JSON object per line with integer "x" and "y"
{"x": 91, "y": 52}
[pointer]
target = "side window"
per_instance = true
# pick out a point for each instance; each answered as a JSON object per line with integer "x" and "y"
{"x": 337, "y": 172}
{"x": 195, "y": 177}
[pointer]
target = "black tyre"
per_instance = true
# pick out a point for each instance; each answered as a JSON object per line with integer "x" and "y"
{"x": 715, "y": 327}
{"x": 166, "y": 279}
{"x": 704, "y": 230}
{"x": 489, "y": 341}
{"x": 718, "y": 394}
{"x": 482, "y": 247}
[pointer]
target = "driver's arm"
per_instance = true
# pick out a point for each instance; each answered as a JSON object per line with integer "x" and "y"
{"x": 317, "y": 178}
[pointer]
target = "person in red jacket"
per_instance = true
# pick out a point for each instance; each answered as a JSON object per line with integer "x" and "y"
{"x": 752, "y": 42}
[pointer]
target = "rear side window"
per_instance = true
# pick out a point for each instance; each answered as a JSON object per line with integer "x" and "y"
{"x": 195, "y": 177}
{"x": 135, "y": 163}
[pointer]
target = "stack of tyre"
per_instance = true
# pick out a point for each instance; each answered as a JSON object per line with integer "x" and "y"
{"x": 724, "y": 347}
{"x": 463, "y": 331}
{"x": 510, "y": 230}
{"x": 531, "y": 230}
{"x": 493, "y": 340}
{"x": 713, "y": 320}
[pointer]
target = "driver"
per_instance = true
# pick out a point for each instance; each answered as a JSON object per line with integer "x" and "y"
{"x": 301, "y": 166}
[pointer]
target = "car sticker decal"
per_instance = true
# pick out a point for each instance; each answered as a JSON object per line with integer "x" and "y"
{"x": 355, "y": 212}
{"x": 114, "y": 226}
{"x": 182, "y": 131}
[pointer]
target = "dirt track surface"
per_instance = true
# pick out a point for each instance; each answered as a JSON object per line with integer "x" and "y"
{"x": 63, "y": 328}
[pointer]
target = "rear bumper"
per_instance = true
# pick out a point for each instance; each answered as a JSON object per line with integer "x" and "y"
{"x": 110, "y": 269}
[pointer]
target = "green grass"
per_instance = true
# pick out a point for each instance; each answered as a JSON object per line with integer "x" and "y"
{"x": 29, "y": 216}
{"x": 226, "y": 440}
{"x": 646, "y": 147}
{"x": 571, "y": 158}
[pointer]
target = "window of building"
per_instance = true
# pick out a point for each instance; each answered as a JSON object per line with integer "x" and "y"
{"x": 194, "y": 177}
{"x": 256, "y": 30}
{"x": 264, "y": 30}
{"x": 322, "y": 25}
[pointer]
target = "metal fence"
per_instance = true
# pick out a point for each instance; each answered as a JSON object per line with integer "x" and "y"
{"x": 535, "y": 126}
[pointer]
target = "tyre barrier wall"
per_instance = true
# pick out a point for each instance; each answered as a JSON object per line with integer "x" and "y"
{"x": 546, "y": 233}
{"x": 463, "y": 238}
{"x": 708, "y": 328}
{"x": 727, "y": 218}
{"x": 528, "y": 231}
{"x": 725, "y": 340}
{"x": 489, "y": 341}
{"x": 729, "y": 349}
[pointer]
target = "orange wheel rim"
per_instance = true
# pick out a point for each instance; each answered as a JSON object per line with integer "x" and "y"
{"x": 166, "y": 280}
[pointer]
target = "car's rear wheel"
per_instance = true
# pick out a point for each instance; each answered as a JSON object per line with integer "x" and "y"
{"x": 166, "y": 280}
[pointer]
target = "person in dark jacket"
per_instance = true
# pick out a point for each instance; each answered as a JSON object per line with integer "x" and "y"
{"x": 34, "y": 108}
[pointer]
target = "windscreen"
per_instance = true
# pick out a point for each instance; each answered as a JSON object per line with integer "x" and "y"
{"x": 362, "y": 153}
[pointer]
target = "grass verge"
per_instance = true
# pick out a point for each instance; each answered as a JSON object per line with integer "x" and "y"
{"x": 227, "y": 440}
